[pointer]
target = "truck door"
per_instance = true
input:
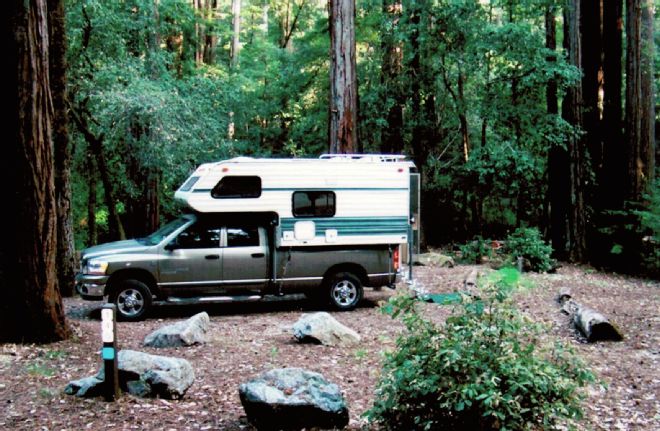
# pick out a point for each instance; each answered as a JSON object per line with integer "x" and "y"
{"x": 244, "y": 259}
{"x": 192, "y": 263}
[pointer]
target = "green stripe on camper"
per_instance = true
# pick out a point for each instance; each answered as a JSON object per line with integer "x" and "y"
{"x": 354, "y": 225}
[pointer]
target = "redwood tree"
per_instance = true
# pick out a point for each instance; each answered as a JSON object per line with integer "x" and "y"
{"x": 343, "y": 78}
{"x": 572, "y": 112}
{"x": 639, "y": 112}
{"x": 66, "y": 259}
{"x": 32, "y": 305}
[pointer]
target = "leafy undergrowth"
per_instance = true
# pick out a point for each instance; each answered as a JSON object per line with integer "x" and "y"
{"x": 250, "y": 338}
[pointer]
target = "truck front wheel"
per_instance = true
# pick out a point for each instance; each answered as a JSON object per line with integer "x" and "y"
{"x": 345, "y": 291}
{"x": 132, "y": 299}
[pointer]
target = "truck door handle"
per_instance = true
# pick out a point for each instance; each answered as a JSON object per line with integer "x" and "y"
{"x": 258, "y": 255}
{"x": 212, "y": 256}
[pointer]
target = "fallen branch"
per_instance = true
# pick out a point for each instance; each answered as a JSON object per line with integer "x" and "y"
{"x": 594, "y": 325}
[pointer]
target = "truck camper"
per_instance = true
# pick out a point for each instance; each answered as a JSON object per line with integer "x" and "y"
{"x": 324, "y": 227}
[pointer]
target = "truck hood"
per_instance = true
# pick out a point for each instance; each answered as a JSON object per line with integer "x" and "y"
{"x": 116, "y": 247}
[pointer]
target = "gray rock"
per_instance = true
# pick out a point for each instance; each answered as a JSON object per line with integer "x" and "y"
{"x": 323, "y": 328}
{"x": 434, "y": 259}
{"x": 293, "y": 398}
{"x": 86, "y": 387}
{"x": 185, "y": 333}
{"x": 142, "y": 375}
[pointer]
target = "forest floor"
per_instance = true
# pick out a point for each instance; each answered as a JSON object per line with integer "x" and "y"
{"x": 247, "y": 339}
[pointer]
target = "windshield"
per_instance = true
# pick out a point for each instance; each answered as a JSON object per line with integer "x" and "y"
{"x": 163, "y": 232}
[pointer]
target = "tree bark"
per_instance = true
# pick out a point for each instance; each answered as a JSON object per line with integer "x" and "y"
{"x": 66, "y": 252}
{"x": 92, "y": 236}
{"x": 612, "y": 178}
{"x": 557, "y": 156}
{"x": 590, "y": 33}
{"x": 394, "y": 99}
{"x": 640, "y": 145}
{"x": 236, "y": 32}
{"x": 572, "y": 113}
{"x": 32, "y": 310}
{"x": 343, "y": 78}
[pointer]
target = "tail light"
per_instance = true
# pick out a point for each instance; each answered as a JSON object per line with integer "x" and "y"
{"x": 395, "y": 259}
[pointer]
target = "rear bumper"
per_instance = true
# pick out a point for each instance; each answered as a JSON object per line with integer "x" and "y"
{"x": 384, "y": 279}
{"x": 91, "y": 287}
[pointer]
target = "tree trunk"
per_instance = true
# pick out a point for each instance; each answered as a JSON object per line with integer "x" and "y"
{"x": 236, "y": 32}
{"x": 92, "y": 236}
{"x": 96, "y": 149}
{"x": 612, "y": 178}
{"x": 343, "y": 78}
{"x": 32, "y": 310}
{"x": 572, "y": 113}
{"x": 199, "y": 33}
{"x": 394, "y": 99}
{"x": 590, "y": 29}
{"x": 557, "y": 155}
{"x": 211, "y": 37}
{"x": 647, "y": 143}
{"x": 639, "y": 139}
{"x": 66, "y": 252}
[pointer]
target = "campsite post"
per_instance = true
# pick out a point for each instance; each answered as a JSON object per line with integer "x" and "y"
{"x": 109, "y": 352}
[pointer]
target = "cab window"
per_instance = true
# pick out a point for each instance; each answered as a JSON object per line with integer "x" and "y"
{"x": 242, "y": 236}
{"x": 200, "y": 235}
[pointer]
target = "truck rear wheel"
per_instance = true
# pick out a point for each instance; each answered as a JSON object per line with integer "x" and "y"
{"x": 132, "y": 299}
{"x": 344, "y": 291}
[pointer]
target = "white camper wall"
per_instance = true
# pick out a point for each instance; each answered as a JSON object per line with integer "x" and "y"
{"x": 372, "y": 198}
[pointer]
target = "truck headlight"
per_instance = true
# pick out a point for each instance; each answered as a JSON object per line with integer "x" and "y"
{"x": 96, "y": 267}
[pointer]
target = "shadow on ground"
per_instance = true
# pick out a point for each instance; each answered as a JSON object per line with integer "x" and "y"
{"x": 270, "y": 304}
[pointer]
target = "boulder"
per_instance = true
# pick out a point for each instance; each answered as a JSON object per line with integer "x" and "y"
{"x": 434, "y": 259}
{"x": 142, "y": 375}
{"x": 88, "y": 387}
{"x": 293, "y": 398}
{"x": 185, "y": 333}
{"x": 324, "y": 329}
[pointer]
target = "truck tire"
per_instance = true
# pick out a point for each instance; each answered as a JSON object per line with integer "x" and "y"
{"x": 344, "y": 291}
{"x": 132, "y": 299}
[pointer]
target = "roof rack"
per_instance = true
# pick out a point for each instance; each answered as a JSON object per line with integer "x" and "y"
{"x": 366, "y": 157}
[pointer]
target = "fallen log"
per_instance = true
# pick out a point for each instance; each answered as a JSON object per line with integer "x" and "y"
{"x": 593, "y": 325}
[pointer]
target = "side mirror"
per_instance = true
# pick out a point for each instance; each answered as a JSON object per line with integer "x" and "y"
{"x": 171, "y": 246}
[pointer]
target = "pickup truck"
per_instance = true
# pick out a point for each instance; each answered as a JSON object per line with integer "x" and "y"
{"x": 200, "y": 258}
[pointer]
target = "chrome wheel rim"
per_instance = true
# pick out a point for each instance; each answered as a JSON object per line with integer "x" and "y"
{"x": 130, "y": 302}
{"x": 344, "y": 293}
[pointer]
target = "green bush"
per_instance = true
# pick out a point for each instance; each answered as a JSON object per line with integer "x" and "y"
{"x": 483, "y": 369}
{"x": 475, "y": 250}
{"x": 528, "y": 244}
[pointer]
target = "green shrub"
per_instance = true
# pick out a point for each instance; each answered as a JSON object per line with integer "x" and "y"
{"x": 483, "y": 369}
{"x": 475, "y": 250}
{"x": 528, "y": 244}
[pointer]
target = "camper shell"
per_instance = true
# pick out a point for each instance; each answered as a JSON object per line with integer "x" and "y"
{"x": 333, "y": 200}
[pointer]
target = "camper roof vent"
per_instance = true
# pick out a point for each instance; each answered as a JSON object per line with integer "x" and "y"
{"x": 366, "y": 157}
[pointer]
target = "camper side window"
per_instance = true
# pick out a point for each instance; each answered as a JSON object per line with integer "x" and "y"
{"x": 313, "y": 204}
{"x": 237, "y": 187}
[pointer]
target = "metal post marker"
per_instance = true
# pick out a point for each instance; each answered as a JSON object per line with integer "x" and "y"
{"x": 109, "y": 352}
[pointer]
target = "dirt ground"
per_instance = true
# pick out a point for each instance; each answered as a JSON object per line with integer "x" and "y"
{"x": 246, "y": 339}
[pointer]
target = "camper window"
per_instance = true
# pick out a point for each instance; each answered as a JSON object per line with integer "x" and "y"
{"x": 313, "y": 204}
{"x": 237, "y": 187}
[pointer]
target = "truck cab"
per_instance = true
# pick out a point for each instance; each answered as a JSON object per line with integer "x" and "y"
{"x": 199, "y": 258}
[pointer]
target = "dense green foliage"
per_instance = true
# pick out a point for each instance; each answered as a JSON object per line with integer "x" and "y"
{"x": 528, "y": 244}
{"x": 485, "y": 368}
{"x": 460, "y": 86}
{"x": 474, "y": 251}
